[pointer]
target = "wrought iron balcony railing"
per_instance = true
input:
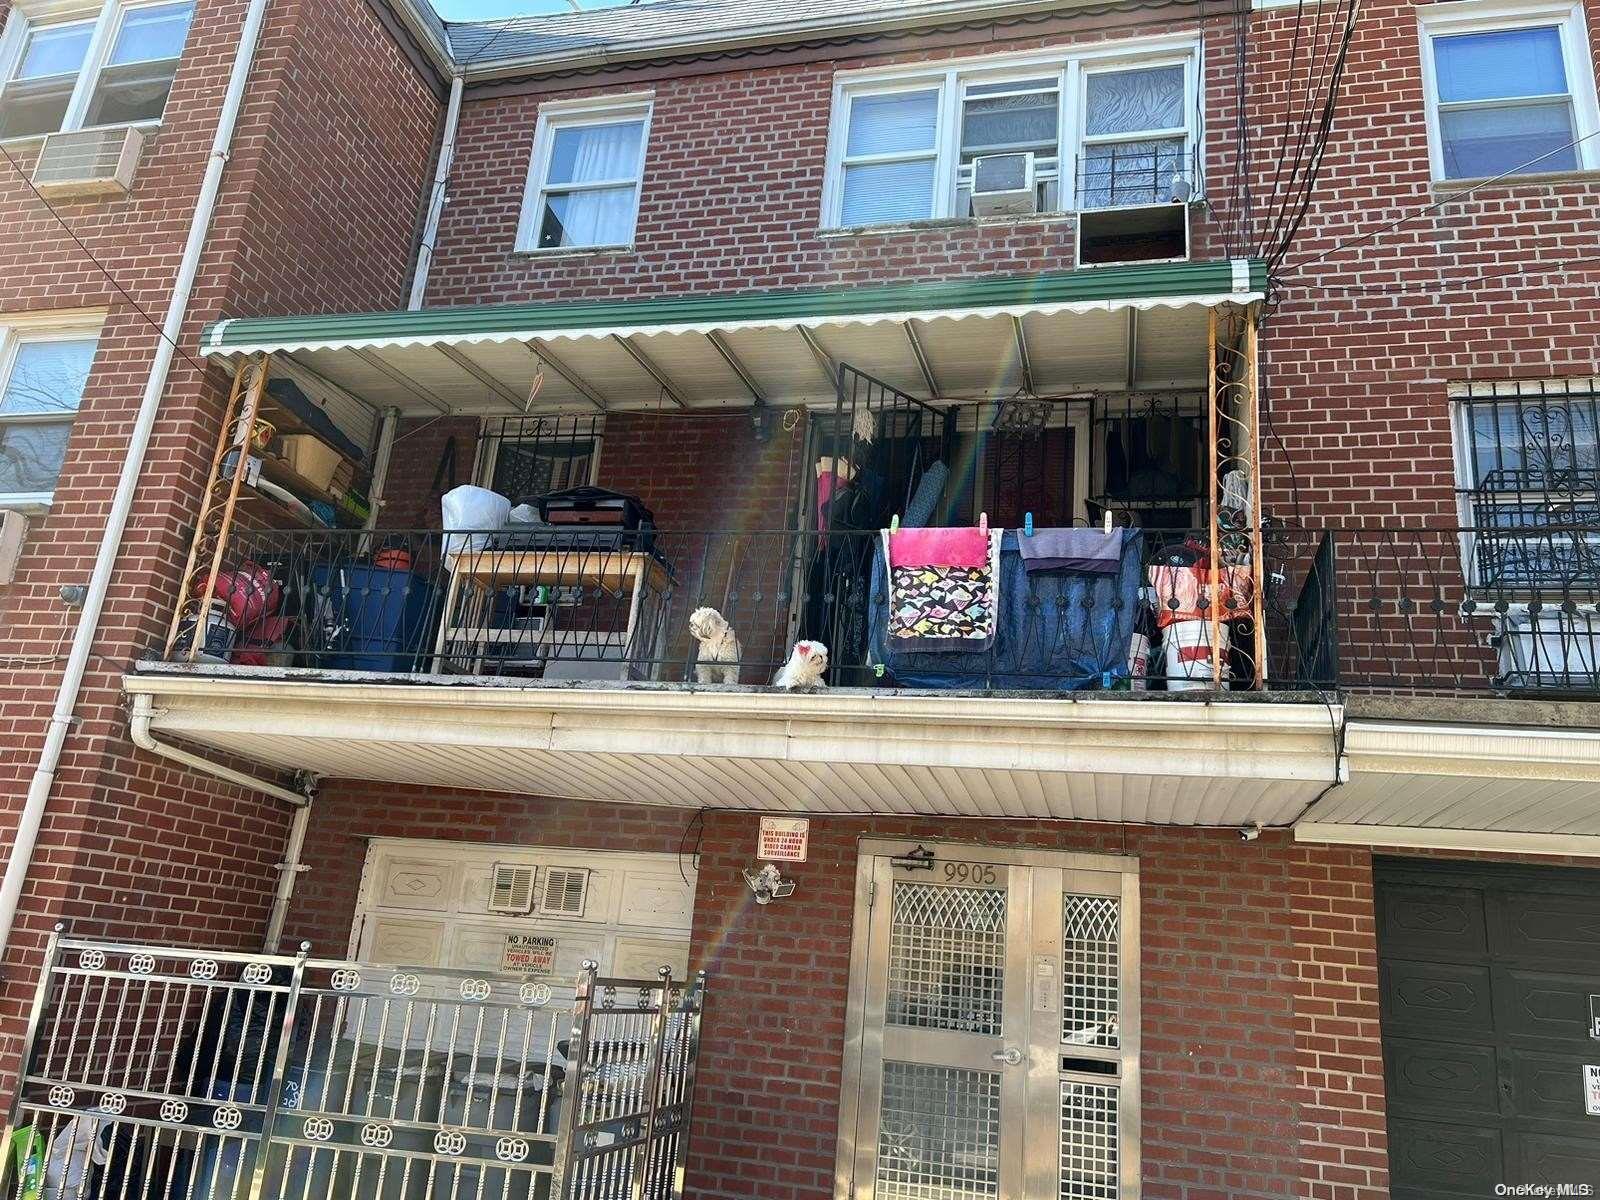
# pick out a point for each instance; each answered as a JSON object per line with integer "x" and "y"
{"x": 549, "y": 605}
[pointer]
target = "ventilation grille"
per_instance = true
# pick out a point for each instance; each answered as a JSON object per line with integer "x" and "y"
{"x": 88, "y": 162}
{"x": 565, "y": 891}
{"x": 513, "y": 889}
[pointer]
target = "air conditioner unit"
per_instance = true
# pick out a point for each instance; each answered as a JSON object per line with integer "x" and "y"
{"x": 1549, "y": 650}
{"x": 1003, "y": 185}
{"x": 511, "y": 890}
{"x": 88, "y": 162}
{"x": 1144, "y": 233}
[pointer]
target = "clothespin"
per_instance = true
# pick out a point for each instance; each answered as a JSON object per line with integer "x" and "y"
{"x": 894, "y": 523}
{"x": 1027, "y": 524}
{"x": 983, "y": 523}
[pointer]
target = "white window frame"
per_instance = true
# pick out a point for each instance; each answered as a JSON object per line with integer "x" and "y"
{"x": 555, "y": 115}
{"x": 108, "y": 19}
{"x": 951, "y": 79}
{"x": 1443, "y": 20}
{"x": 17, "y": 330}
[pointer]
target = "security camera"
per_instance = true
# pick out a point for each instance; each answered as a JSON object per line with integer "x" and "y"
{"x": 768, "y": 883}
{"x": 1250, "y": 832}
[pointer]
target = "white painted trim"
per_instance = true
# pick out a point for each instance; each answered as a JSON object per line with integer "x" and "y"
{"x": 558, "y": 114}
{"x": 1489, "y": 841}
{"x": 1067, "y": 63}
{"x": 1472, "y": 16}
{"x": 1276, "y": 745}
{"x": 108, "y": 18}
{"x": 1481, "y": 751}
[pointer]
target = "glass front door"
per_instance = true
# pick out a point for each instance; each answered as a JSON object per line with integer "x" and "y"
{"x": 996, "y": 1059}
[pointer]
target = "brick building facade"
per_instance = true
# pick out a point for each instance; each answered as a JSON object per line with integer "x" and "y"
{"x": 1264, "y": 1023}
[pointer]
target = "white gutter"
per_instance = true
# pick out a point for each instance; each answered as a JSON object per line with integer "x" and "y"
{"x": 1422, "y": 837}
{"x": 31, "y": 819}
{"x": 144, "y": 711}
{"x": 441, "y": 186}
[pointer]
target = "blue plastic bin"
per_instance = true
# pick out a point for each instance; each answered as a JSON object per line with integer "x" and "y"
{"x": 387, "y": 617}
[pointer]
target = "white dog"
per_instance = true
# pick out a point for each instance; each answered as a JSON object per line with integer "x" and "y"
{"x": 803, "y": 672}
{"x": 718, "y": 660}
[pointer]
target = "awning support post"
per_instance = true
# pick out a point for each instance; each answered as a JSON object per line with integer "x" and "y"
{"x": 1234, "y": 479}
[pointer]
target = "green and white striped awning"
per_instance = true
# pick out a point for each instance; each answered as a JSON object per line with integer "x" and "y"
{"x": 1050, "y": 333}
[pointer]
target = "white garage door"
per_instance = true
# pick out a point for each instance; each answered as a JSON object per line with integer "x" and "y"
{"x": 531, "y": 910}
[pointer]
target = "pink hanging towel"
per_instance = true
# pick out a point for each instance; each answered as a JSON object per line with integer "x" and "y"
{"x": 944, "y": 589}
{"x": 966, "y": 546}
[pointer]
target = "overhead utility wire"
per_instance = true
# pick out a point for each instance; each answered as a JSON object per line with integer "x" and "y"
{"x": 1424, "y": 210}
{"x": 100, "y": 266}
{"x": 1301, "y": 103}
{"x": 1327, "y": 80}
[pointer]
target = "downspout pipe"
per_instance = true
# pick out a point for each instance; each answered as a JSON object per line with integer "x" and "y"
{"x": 289, "y": 870}
{"x": 31, "y": 819}
{"x": 441, "y": 188}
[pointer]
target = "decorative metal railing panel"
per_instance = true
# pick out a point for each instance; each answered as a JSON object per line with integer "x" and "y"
{"x": 541, "y": 606}
{"x": 153, "y": 1071}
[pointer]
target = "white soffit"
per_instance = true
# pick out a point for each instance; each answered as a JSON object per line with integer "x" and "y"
{"x": 842, "y": 752}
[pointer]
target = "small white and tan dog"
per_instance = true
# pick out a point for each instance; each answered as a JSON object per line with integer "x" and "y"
{"x": 718, "y": 660}
{"x": 803, "y": 672}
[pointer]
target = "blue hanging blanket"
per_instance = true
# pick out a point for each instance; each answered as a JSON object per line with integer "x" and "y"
{"x": 1059, "y": 630}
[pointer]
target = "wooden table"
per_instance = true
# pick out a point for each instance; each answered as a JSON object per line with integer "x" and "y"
{"x": 475, "y": 575}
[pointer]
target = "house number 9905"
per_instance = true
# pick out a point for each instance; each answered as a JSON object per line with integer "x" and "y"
{"x": 956, "y": 872}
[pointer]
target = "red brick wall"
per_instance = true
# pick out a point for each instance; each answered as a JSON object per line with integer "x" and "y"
{"x": 329, "y": 165}
{"x": 1262, "y": 1075}
{"x": 1365, "y": 338}
{"x": 732, "y": 193}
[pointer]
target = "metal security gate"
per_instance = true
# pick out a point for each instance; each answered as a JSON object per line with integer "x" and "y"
{"x": 993, "y": 1034}
{"x": 159, "y": 1073}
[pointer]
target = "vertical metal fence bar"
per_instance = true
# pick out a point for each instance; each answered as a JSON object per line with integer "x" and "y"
{"x": 694, "y": 1002}
{"x": 652, "y": 1083}
{"x": 280, "y": 1064}
{"x": 41, "y": 996}
{"x": 577, "y": 1061}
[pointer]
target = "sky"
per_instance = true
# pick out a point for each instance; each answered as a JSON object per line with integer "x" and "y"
{"x": 488, "y": 10}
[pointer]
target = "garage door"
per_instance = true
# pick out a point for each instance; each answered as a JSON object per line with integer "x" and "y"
{"x": 1488, "y": 981}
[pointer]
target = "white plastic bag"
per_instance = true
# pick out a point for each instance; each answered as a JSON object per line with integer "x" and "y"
{"x": 474, "y": 510}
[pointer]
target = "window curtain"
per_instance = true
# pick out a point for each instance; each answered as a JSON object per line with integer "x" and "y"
{"x": 592, "y": 154}
{"x": 901, "y": 123}
{"x": 1133, "y": 171}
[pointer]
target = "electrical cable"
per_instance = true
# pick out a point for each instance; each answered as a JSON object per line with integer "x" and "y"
{"x": 100, "y": 266}
{"x": 1392, "y": 289}
{"x": 1452, "y": 198}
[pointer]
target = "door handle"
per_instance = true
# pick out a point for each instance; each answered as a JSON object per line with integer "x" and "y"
{"x": 1010, "y": 1056}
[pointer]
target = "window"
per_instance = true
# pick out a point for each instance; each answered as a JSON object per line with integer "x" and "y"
{"x": 583, "y": 190}
{"x": 1012, "y": 118}
{"x": 42, "y": 81}
{"x": 1528, "y": 476}
{"x": 42, "y": 376}
{"x": 1103, "y": 129}
{"x": 1510, "y": 91}
{"x": 890, "y": 157}
{"x": 1134, "y": 136}
{"x": 114, "y": 70}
